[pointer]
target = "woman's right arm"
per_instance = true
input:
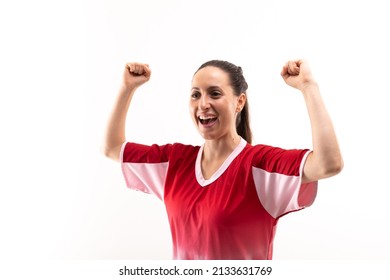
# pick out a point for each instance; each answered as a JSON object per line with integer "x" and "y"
{"x": 134, "y": 75}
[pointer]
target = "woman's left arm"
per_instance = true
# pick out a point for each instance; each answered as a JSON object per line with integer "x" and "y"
{"x": 325, "y": 160}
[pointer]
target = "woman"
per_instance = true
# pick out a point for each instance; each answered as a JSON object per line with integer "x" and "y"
{"x": 224, "y": 199}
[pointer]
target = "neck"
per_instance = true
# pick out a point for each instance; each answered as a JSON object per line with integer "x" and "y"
{"x": 220, "y": 148}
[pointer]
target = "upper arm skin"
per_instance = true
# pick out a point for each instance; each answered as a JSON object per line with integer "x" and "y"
{"x": 314, "y": 169}
{"x": 114, "y": 153}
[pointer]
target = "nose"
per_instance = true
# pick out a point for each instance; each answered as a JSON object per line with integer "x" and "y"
{"x": 204, "y": 102}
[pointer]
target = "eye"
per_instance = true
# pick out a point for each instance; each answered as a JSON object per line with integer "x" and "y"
{"x": 215, "y": 94}
{"x": 195, "y": 94}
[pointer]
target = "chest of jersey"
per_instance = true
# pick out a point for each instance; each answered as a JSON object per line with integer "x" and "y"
{"x": 227, "y": 211}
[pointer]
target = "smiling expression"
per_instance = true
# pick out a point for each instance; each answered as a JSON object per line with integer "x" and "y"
{"x": 213, "y": 104}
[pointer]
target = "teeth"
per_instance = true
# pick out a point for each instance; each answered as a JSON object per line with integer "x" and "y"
{"x": 206, "y": 117}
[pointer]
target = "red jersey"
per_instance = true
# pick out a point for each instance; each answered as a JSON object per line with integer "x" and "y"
{"x": 232, "y": 215}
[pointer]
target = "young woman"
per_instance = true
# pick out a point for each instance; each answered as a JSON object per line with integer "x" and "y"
{"x": 224, "y": 198}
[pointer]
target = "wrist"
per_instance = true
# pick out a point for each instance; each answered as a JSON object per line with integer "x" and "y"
{"x": 309, "y": 87}
{"x": 127, "y": 90}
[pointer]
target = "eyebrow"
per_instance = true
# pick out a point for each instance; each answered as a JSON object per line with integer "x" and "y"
{"x": 209, "y": 88}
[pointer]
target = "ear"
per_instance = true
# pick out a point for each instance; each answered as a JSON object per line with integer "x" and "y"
{"x": 241, "y": 102}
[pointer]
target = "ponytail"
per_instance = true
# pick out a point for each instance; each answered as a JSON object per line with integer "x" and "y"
{"x": 243, "y": 124}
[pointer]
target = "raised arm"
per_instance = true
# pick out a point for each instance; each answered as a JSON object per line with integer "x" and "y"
{"x": 134, "y": 75}
{"x": 325, "y": 160}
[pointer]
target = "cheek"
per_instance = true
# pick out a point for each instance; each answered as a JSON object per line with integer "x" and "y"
{"x": 230, "y": 109}
{"x": 191, "y": 110}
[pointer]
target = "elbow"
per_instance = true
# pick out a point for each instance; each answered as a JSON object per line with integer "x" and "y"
{"x": 333, "y": 167}
{"x": 111, "y": 153}
{"x": 105, "y": 151}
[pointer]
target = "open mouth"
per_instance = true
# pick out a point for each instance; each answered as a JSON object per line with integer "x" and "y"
{"x": 207, "y": 120}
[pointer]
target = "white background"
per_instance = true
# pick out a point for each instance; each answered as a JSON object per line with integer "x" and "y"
{"x": 60, "y": 67}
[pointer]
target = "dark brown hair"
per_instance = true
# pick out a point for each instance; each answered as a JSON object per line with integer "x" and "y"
{"x": 239, "y": 86}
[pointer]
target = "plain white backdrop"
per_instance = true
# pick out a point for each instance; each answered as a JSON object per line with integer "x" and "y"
{"x": 61, "y": 65}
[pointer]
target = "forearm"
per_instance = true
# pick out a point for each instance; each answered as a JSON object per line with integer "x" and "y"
{"x": 115, "y": 134}
{"x": 326, "y": 156}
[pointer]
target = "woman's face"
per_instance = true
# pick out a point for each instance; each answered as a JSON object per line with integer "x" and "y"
{"x": 213, "y": 104}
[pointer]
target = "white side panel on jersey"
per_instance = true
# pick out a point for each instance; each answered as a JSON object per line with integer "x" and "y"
{"x": 278, "y": 193}
{"x": 146, "y": 177}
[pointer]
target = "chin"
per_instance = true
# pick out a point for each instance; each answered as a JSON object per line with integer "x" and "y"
{"x": 207, "y": 136}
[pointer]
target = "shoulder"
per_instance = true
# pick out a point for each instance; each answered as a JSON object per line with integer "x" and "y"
{"x": 276, "y": 159}
{"x": 182, "y": 146}
{"x": 157, "y": 152}
{"x": 260, "y": 150}
{"x": 180, "y": 149}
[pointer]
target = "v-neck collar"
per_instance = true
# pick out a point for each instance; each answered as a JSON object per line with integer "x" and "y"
{"x": 198, "y": 169}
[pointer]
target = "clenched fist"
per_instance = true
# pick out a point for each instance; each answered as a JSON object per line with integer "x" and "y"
{"x": 297, "y": 73}
{"x": 136, "y": 74}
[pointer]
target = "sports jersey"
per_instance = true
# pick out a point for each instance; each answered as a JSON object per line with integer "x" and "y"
{"x": 234, "y": 213}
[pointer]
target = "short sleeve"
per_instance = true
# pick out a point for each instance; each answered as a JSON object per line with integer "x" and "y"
{"x": 278, "y": 180}
{"x": 145, "y": 167}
